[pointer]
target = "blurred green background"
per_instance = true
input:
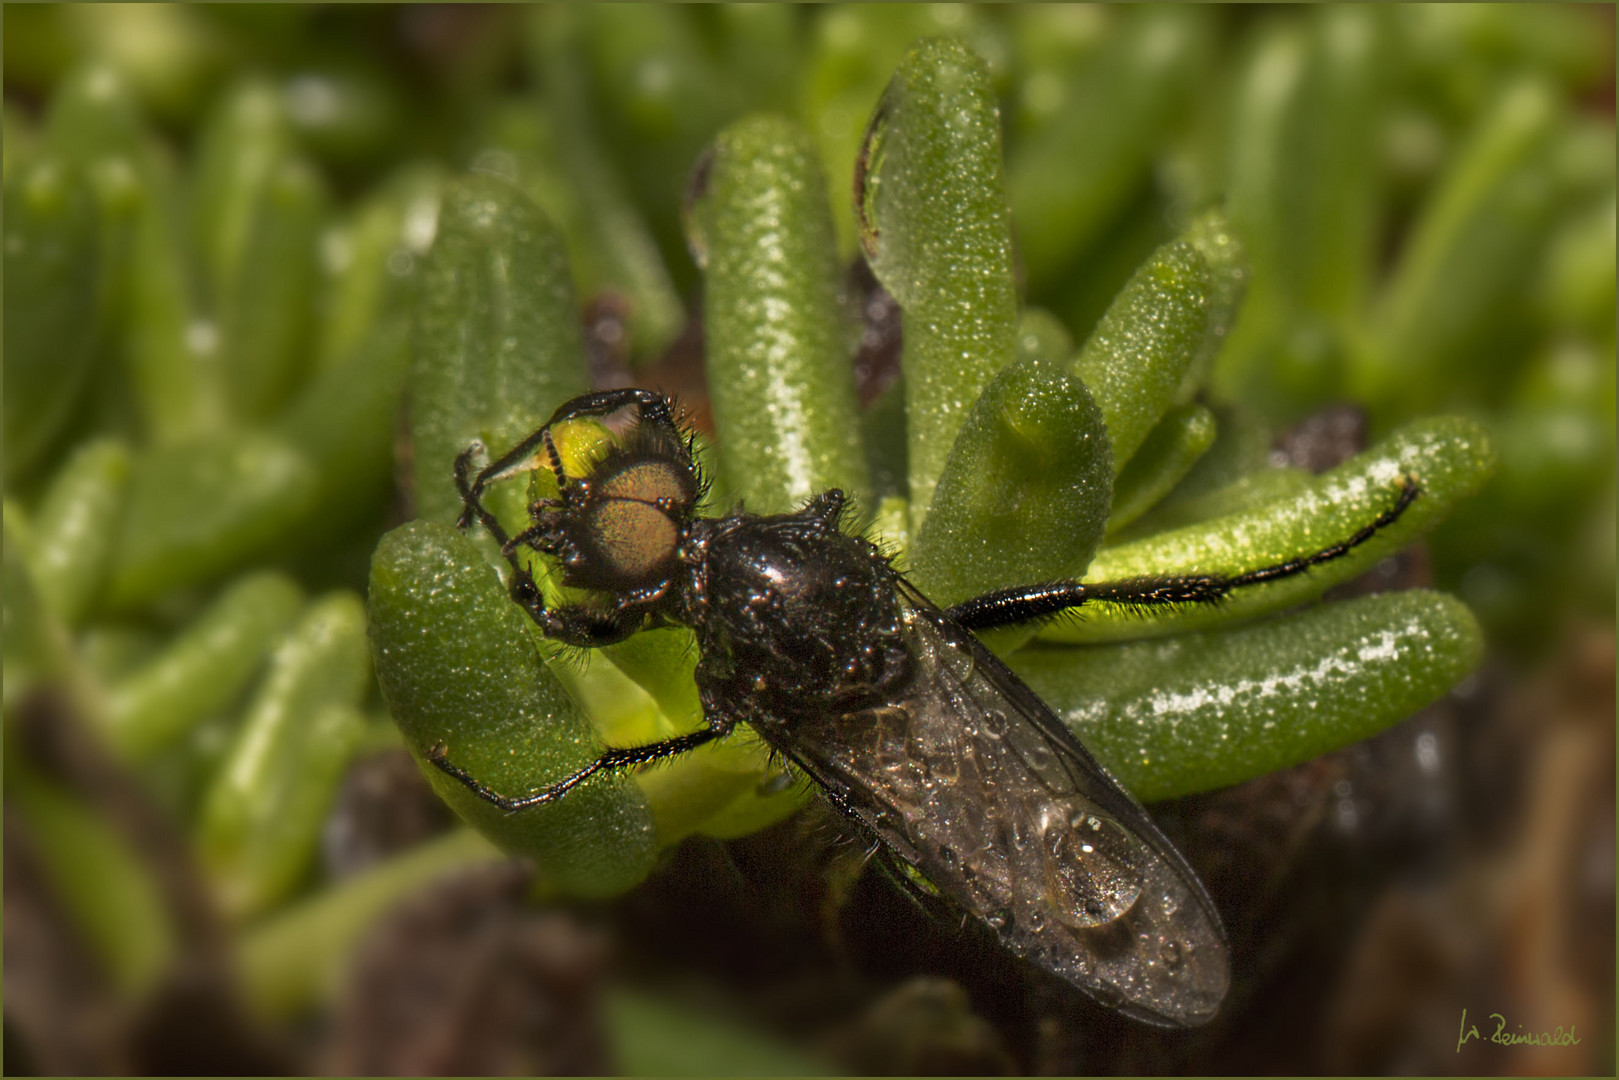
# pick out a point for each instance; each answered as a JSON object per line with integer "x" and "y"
{"x": 217, "y": 218}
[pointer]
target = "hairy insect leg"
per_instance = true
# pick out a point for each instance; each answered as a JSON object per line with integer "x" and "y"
{"x": 721, "y": 720}
{"x": 610, "y": 761}
{"x": 651, "y": 406}
{"x": 573, "y": 624}
{"x": 1006, "y": 607}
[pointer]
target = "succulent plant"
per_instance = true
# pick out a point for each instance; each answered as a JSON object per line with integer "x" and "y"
{"x": 252, "y": 319}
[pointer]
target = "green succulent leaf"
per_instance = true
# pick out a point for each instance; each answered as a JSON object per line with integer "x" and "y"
{"x": 1025, "y": 493}
{"x": 1451, "y": 317}
{"x": 370, "y": 262}
{"x": 459, "y": 670}
{"x": 205, "y": 667}
{"x": 1171, "y": 448}
{"x": 299, "y": 955}
{"x": 610, "y": 242}
{"x": 497, "y": 333}
{"x": 1136, "y": 358}
{"x": 779, "y": 377}
{"x": 262, "y": 817}
{"x": 1448, "y": 458}
{"x": 931, "y": 203}
{"x": 1200, "y": 711}
{"x": 196, "y": 511}
{"x": 53, "y": 273}
{"x": 344, "y": 422}
{"x": 34, "y": 642}
{"x": 1041, "y": 334}
{"x": 76, "y": 525}
{"x": 1079, "y": 168}
{"x": 108, "y": 891}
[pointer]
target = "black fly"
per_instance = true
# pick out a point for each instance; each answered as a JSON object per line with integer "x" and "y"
{"x": 906, "y": 722}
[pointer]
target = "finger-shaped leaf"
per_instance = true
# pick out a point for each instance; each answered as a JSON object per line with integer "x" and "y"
{"x": 1213, "y": 237}
{"x": 205, "y": 668}
{"x": 242, "y": 143}
{"x": 197, "y": 511}
{"x": 76, "y": 525}
{"x": 1041, "y": 334}
{"x": 345, "y": 421}
{"x": 168, "y": 348}
{"x": 1024, "y": 496}
{"x": 1258, "y": 488}
{"x": 610, "y": 243}
{"x": 106, "y": 889}
{"x": 261, "y": 818}
{"x": 298, "y": 956}
{"x": 931, "y": 203}
{"x": 1303, "y": 159}
{"x": 656, "y": 127}
{"x": 1190, "y": 713}
{"x": 1448, "y": 458}
{"x": 1167, "y": 455}
{"x": 1578, "y": 288}
{"x": 497, "y": 333}
{"x": 779, "y": 376}
{"x": 34, "y": 642}
{"x": 369, "y": 260}
{"x": 53, "y": 276}
{"x": 1072, "y": 176}
{"x": 459, "y": 670}
{"x": 266, "y": 308}
{"x": 1241, "y": 449}
{"x": 1446, "y": 323}
{"x": 1135, "y": 360}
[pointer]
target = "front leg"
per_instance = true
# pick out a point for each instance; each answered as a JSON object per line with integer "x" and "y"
{"x": 721, "y": 718}
{"x": 578, "y": 625}
{"x": 652, "y": 408}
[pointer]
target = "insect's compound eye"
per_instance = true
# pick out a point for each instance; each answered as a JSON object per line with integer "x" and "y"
{"x": 645, "y": 481}
{"x": 633, "y": 538}
{"x": 635, "y": 516}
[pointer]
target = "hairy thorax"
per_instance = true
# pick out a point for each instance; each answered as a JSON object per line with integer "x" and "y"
{"x": 794, "y": 616}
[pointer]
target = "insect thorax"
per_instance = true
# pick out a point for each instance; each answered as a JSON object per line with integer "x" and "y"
{"x": 796, "y": 616}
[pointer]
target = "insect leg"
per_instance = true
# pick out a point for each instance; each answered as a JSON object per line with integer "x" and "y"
{"x": 651, "y": 405}
{"x": 1005, "y": 607}
{"x": 611, "y": 760}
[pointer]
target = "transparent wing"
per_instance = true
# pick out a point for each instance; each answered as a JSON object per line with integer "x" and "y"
{"x": 970, "y": 777}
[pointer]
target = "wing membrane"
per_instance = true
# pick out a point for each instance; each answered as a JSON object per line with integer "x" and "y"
{"x": 971, "y": 778}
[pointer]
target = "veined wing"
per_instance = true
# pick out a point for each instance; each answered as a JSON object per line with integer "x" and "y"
{"x": 971, "y": 778}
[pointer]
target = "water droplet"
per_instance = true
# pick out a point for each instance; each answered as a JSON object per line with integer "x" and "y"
{"x": 1000, "y": 920}
{"x": 1170, "y": 953}
{"x": 1036, "y": 921}
{"x": 994, "y": 723}
{"x": 1020, "y": 834}
{"x": 1170, "y": 904}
